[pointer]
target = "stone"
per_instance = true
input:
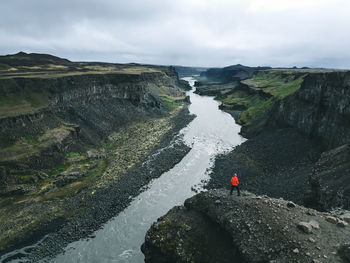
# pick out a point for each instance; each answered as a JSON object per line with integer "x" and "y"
{"x": 114, "y": 137}
{"x": 342, "y": 223}
{"x": 344, "y": 252}
{"x": 305, "y": 227}
{"x": 345, "y": 218}
{"x": 290, "y": 204}
{"x": 217, "y": 202}
{"x": 296, "y": 251}
{"x": 314, "y": 224}
{"x": 311, "y": 212}
{"x": 95, "y": 154}
{"x": 312, "y": 240}
{"x": 43, "y": 175}
{"x": 331, "y": 219}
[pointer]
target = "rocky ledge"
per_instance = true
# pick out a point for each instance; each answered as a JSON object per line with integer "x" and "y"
{"x": 216, "y": 227}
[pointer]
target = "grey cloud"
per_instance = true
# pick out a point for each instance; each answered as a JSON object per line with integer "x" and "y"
{"x": 187, "y": 32}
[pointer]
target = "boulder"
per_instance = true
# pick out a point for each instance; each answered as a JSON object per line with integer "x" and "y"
{"x": 92, "y": 154}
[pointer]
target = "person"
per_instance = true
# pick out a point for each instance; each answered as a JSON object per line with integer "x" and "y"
{"x": 235, "y": 183}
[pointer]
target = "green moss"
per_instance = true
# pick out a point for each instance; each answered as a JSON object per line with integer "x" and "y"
{"x": 32, "y": 140}
{"x": 171, "y": 103}
{"x": 276, "y": 84}
{"x": 58, "y": 169}
{"x": 84, "y": 182}
{"x": 4, "y": 66}
{"x": 27, "y": 102}
{"x": 72, "y": 155}
{"x": 28, "y": 179}
{"x": 255, "y": 110}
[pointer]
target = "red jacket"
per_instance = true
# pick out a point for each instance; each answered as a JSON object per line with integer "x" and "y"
{"x": 234, "y": 181}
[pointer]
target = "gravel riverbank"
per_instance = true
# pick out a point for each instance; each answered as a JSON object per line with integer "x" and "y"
{"x": 105, "y": 202}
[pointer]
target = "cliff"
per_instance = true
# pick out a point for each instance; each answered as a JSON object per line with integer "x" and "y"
{"x": 290, "y": 116}
{"x": 329, "y": 180}
{"x": 73, "y": 132}
{"x": 320, "y": 108}
{"x": 216, "y": 227}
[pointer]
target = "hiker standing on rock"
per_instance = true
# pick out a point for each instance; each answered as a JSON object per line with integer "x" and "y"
{"x": 235, "y": 182}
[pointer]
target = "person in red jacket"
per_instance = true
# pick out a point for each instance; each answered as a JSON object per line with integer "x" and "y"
{"x": 235, "y": 183}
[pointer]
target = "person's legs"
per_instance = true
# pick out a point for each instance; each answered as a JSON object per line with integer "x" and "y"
{"x": 231, "y": 189}
{"x": 238, "y": 192}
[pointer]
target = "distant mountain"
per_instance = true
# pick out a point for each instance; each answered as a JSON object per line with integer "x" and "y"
{"x": 231, "y": 73}
{"x": 188, "y": 71}
{"x": 31, "y": 59}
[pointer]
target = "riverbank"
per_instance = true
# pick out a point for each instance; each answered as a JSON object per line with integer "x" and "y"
{"x": 94, "y": 206}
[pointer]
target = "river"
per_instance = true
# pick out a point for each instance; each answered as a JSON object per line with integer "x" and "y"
{"x": 212, "y": 132}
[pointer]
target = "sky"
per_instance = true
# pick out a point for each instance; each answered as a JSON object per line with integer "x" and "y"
{"x": 278, "y": 33}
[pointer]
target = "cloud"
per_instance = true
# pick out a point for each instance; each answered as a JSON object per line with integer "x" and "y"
{"x": 187, "y": 32}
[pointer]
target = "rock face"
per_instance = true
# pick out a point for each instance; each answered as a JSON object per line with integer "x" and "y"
{"x": 216, "y": 227}
{"x": 275, "y": 163}
{"x": 94, "y": 105}
{"x": 330, "y": 180}
{"x": 320, "y": 108}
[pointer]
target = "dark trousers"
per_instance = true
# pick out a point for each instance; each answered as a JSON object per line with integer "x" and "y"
{"x": 233, "y": 187}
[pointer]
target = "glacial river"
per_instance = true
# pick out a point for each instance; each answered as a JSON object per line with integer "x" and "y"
{"x": 212, "y": 132}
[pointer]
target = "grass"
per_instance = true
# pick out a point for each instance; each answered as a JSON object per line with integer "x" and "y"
{"x": 171, "y": 103}
{"x": 56, "y": 71}
{"x": 17, "y": 104}
{"x": 277, "y": 84}
{"x": 72, "y": 155}
{"x": 255, "y": 111}
{"x": 32, "y": 140}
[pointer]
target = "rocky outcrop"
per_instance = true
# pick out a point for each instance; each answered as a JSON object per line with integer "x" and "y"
{"x": 216, "y": 227}
{"x": 319, "y": 109}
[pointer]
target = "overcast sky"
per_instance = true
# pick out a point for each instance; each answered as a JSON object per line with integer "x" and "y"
{"x": 183, "y": 32}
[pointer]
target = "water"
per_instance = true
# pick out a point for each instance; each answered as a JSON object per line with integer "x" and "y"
{"x": 211, "y": 132}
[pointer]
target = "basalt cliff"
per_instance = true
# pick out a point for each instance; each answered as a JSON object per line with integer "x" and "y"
{"x": 74, "y": 137}
{"x": 297, "y": 121}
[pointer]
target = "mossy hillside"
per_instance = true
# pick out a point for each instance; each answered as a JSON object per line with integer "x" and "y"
{"x": 278, "y": 84}
{"x": 23, "y": 103}
{"x": 31, "y": 145}
{"x": 260, "y": 94}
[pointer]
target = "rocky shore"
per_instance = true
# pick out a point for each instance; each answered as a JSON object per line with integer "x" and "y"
{"x": 216, "y": 227}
